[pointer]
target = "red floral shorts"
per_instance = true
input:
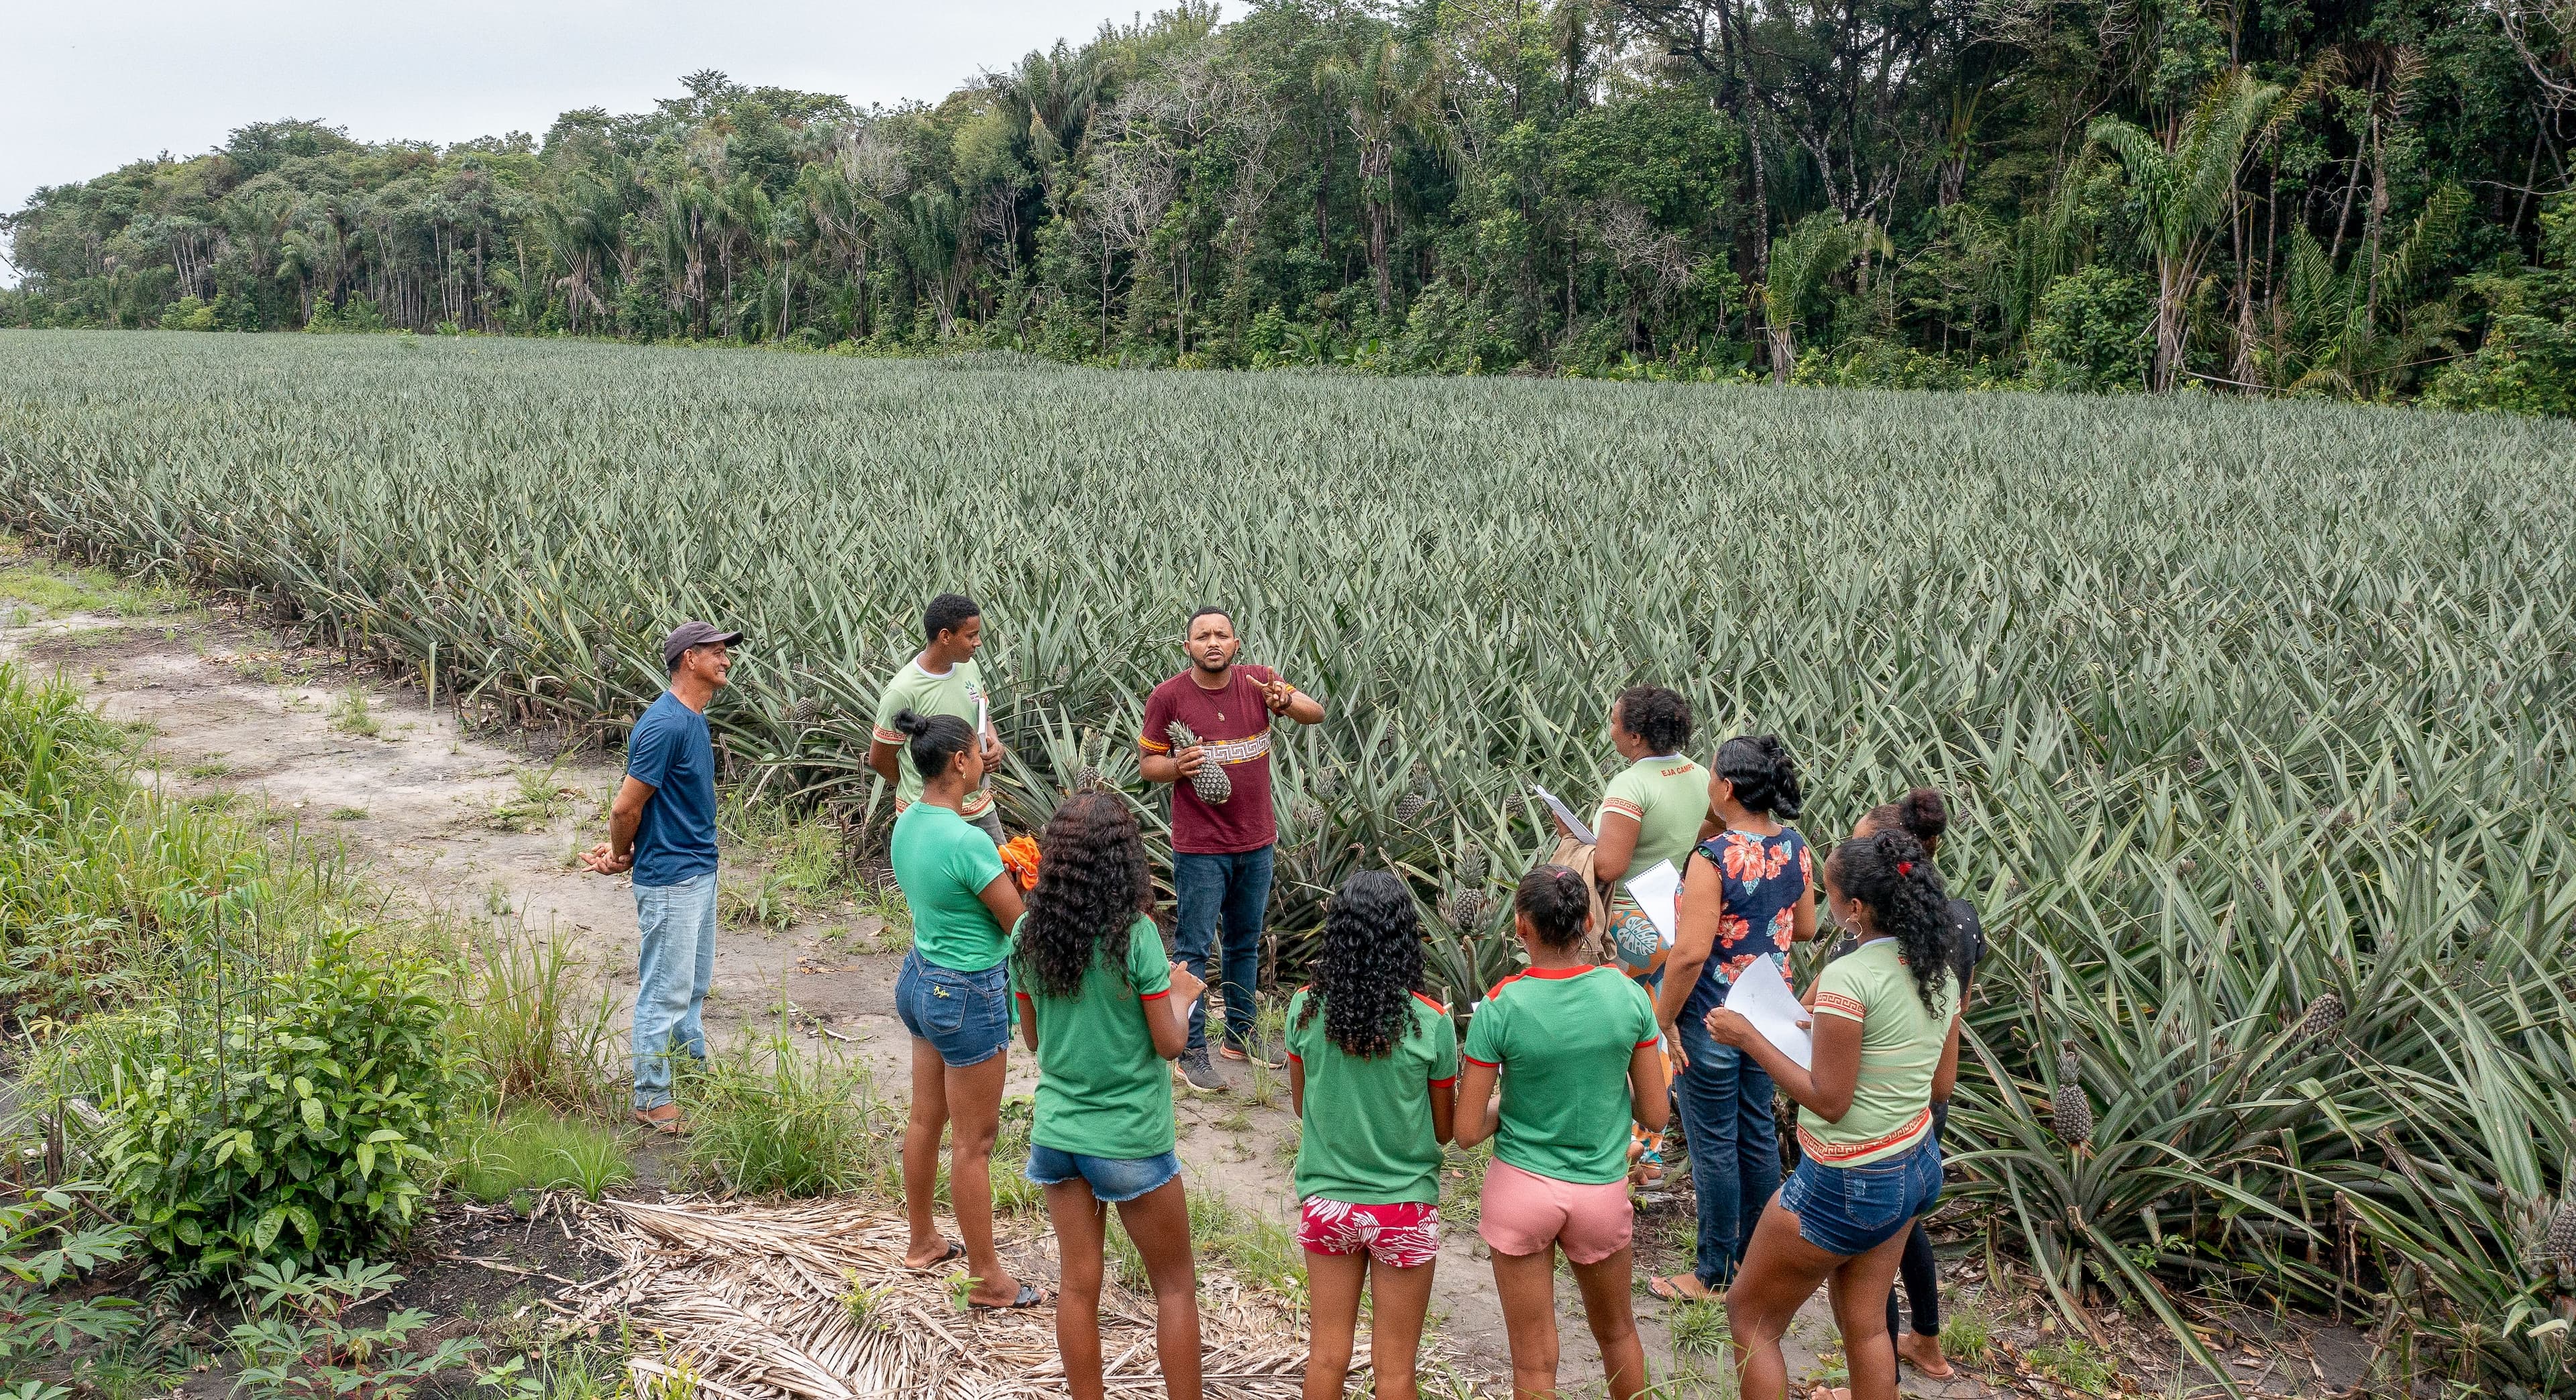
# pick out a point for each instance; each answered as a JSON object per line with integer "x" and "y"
{"x": 1403, "y": 1235}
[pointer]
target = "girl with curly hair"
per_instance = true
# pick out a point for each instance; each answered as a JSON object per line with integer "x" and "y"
{"x": 1373, "y": 1073}
{"x": 1886, "y": 1049}
{"x": 1104, "y": 1010}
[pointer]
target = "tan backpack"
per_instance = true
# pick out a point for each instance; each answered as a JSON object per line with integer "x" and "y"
{"x": 1598, "y": 945}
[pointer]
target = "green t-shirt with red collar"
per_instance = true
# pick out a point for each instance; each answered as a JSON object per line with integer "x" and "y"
{"x": 1366, "y": 1136}
{"x": 1103, "y": 1091}
{"x": 1563, "y": 1038}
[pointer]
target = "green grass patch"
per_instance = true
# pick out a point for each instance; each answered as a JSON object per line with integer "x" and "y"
{"x": 85, "y": 590}
{"x": 767, "y": 1118}
{"x": 535, "y": 1149}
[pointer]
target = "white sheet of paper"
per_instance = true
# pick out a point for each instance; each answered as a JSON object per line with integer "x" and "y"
{"x": 983, "y": 717}
{"x": 1565, "y": 814}
{"x": 1762, "y": 996}
{"x": 1658, "y": 893}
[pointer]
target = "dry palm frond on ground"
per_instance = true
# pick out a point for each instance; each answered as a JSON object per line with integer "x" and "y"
{"x": 811, "y": 1301}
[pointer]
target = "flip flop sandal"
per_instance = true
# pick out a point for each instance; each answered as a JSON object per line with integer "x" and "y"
{"x": 954, "y": 1252}
{"x": 1029, "y": 1297}
{"x": 1671, "y": 1292}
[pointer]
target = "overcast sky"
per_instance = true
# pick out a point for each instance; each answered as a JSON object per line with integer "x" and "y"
{"x": 91, "y": 87}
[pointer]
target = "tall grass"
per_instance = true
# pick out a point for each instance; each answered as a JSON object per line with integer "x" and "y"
{"x": 767, "y": 1118}
{"x": 2240, "y": 703}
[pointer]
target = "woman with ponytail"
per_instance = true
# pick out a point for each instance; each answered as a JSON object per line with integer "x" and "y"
{"x": 953, "y": 996}
{"x": 1924, "y": 815}
{"x": 1886, "y": 1048}
{"x": 1747, "y": 893}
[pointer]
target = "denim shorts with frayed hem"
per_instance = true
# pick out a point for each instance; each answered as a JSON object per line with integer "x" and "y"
{"x": 966, "y": 1016}
{"x": 1113, "y": 1180}
{"x": 1852, "y": 1210}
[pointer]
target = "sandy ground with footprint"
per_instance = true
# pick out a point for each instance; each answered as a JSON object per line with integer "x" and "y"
{"x": 425, "y": 807}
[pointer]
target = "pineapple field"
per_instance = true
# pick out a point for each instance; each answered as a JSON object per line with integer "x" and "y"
{"x": 2260, "y": 718}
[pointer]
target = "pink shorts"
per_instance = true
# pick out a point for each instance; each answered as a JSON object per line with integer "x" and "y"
{"x": 1401, "y": 1235}
{"x": 1524, "y": 1213}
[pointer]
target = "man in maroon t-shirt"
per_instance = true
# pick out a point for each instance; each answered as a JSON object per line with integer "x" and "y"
{"x": 1220, "y": 850}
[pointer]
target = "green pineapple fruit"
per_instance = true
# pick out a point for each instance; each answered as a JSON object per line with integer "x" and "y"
{"x": 2561, "y": 1239}
{"x": 1417, "y": 800}
{"x": 2074, "y": 1112}
{"x": 1214, "y": 787}
{"x": 2324, "y": 1016}
{"x": 1472, "y": 866}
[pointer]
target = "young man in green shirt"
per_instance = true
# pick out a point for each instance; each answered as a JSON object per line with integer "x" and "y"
{"x": 942, "y": 680}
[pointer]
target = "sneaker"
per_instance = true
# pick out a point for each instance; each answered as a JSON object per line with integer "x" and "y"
{"x": 1197, "y": 1074}
{"x": 1268, "y": 1055}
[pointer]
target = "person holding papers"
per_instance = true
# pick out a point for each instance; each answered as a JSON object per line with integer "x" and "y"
{"x": 1651, "y": 814}
{"x": 1885, "y": 1049}
{"x": 1747, "y": 894}
{"x": 1573, "y": 1045}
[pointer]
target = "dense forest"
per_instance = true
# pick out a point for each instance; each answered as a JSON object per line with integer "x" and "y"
{"x": 2368, "y": 200}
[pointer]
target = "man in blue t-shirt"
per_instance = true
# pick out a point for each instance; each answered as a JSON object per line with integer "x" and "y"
{"x": 662, "y": 826}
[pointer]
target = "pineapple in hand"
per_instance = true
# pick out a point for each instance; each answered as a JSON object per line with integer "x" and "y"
{"x": 1214, "y": 787}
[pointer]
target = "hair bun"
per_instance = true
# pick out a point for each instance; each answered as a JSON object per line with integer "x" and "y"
{"x": 1924, "y": 813}
{"x": 910, "y": 722}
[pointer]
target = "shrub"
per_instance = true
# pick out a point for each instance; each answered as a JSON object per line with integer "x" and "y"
{"x": 2092, "y": 332}
{"x": 305, "y": 1128}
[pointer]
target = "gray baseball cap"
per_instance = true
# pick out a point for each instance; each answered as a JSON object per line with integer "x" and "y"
{"x": 692, "y": 633}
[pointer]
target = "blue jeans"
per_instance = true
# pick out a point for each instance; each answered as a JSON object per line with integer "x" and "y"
{"x": 1725, "y": 1100}
{"x": 1234, "y": 890}
{"x": 675, "y": 961}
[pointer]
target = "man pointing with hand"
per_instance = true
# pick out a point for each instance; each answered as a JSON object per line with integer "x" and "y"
{"x": 1221, "y": 849}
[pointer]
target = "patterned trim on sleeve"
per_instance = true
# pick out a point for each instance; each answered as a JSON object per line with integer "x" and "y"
{"x": 1625, "y": 808}
{"x": 1836, "y": 1004}
{"x": 884, "y": 735}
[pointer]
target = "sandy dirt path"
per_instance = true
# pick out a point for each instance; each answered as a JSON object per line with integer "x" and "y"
{"x": 460, "y": 821}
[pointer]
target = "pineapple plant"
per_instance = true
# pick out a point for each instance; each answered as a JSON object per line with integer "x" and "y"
{"x": 2074, "y": 1112}
{"x": 1465, "y": 909}
{"x": 1214, "y": 787}
{"x": 1473, "y": 866}
{"x": 1088, "y": 777}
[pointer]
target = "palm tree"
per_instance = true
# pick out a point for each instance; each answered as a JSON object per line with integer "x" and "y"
{"x": 1800, "y": 260}
{"x": 2185, "y": 184}
{"x": 581, "y": 226}
{"x": 1387, "y": 92}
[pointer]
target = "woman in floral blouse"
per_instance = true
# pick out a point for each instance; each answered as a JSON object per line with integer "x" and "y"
{"x": 1748, "y": 893}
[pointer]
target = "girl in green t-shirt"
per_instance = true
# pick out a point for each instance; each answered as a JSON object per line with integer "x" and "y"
{"x": 1886, "y": 1048}
{"x": 1373, "y": 1072}
{"x": 1574, "y": 1048}
{"x": 1104, "y": 1010}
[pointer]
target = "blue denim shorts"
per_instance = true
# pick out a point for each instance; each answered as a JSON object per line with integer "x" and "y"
{"x": 966, "y": 1016}
{"x": 1112, "y": 1179}
{"x": 1853, "y": 1210}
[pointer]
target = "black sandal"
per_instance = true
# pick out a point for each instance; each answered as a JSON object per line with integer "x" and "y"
{"x": 954, "y": 1252}
{"x": 1029, "y": 1297}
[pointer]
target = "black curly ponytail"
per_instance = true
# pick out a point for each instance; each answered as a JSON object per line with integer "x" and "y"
{"x": 1920, "y": 813}
{"x": 1891, "y": 875}
{"x": 1764, "y": 776}
{"x": 1370, "y": 966}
